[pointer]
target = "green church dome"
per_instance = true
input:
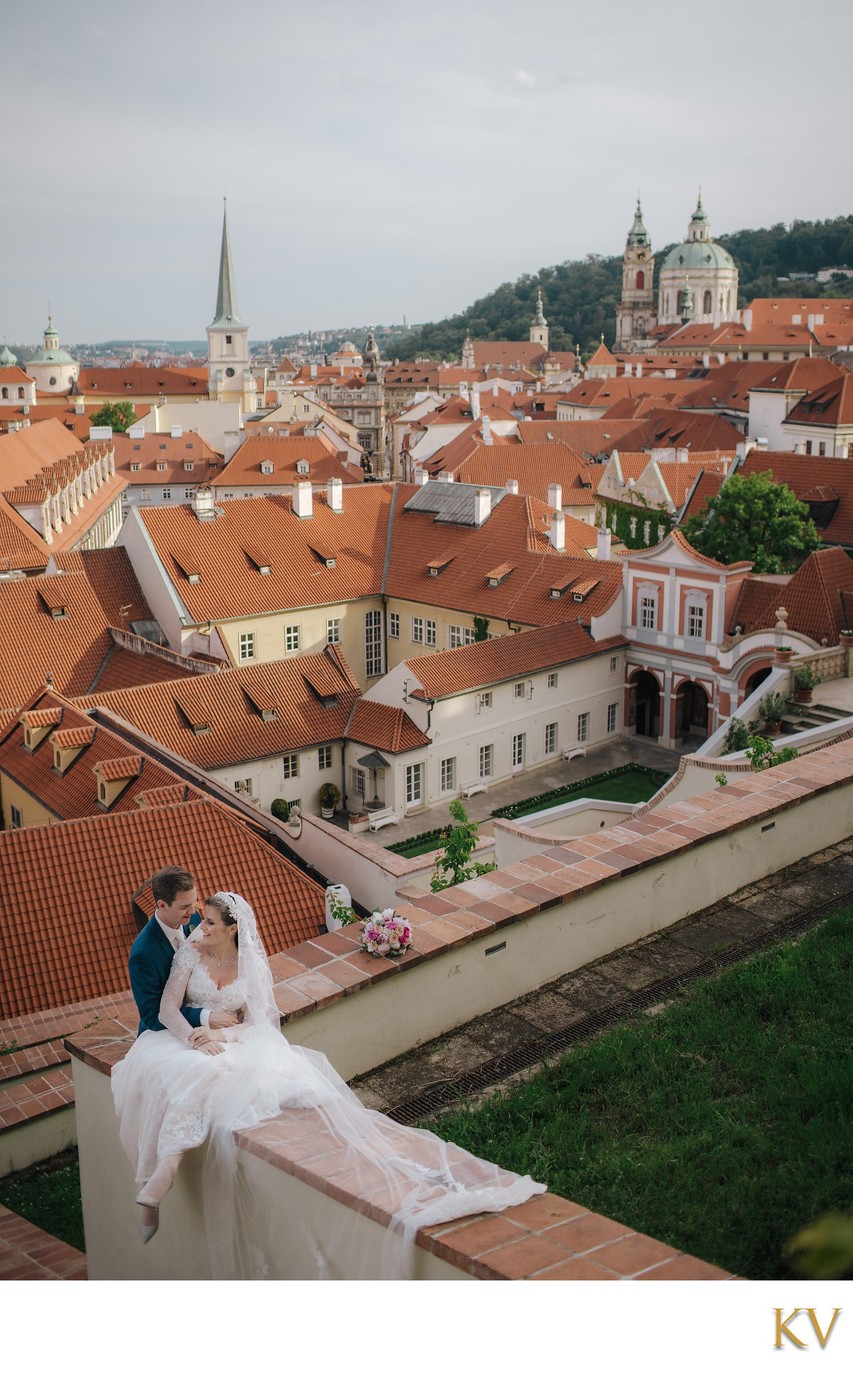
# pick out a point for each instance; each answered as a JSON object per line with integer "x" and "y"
{"x": 692, "y": 256}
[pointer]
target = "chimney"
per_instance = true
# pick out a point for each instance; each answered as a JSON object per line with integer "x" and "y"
{"x": 747, "y": 321}
{"x": 475, "y": 404}
{"x": 495, "y": 388}
{"x": 136, "y": 431}
{"x": 482, "y": 505}
{"x": 706, "y": 360}
{"x": 628, "y": 370}
{"x": 538, "y": 386}
{"x": 555, "y": 496}
{"x": 445, "y": 477}
{"x": 761, "y": 442}
{"x": 639, "y": 370}
{"x": 602, "y": 543}
{"x": 421, "y": 478}
{"x": 682, "y": 456}
{"x": 176, "y": 432}
{"x": 800, "y": 447}
{"x": 80, "y": 408}
{"x": 336, "y": 495}
{"x": 487, "y": 429}
{"x": 557, "y": 534}
{"x": 302, "y": 500}
{"x": 512, "y": 486}
{"x": 202, "y": 502}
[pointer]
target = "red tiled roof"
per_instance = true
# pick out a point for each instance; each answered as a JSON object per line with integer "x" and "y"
{"x": 66, "y": 941}
{"x": 147, "y": 451}
{"x": 589, "y": 438}
{"x": 604, "y": 392}
{"x": 665, "y": 428}
{"x": 535, "y": 466}
{"x": 230, "y": 583}
{"x": 385, "y": 728}
{"x": 811, "y": 597}
{"x": 504, "y": 353}
{"x": 829, "y": 405}
{"x": 492, "y": 662}
{"x": 706, "y": 489}
{"x": 311, "y": 698}
{"x": 512, "y": 533}
{"x": 284, "y": 453}
{"x": 139, "y": 380}
{"x": 803, "y": 473}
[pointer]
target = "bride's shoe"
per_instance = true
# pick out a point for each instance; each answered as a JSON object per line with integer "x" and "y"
{"x": 148, "y": 1230}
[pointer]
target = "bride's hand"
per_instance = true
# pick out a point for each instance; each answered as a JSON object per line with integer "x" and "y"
{"x": 211, "y": 1048}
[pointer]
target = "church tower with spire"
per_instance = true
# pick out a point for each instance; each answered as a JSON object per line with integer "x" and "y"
{"x": 635, "y": 318}
{"x": 539, "y": 325}
{"x": 228, "y": 363}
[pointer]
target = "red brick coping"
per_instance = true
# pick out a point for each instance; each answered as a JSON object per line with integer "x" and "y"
{"x": 29, "y": 1254}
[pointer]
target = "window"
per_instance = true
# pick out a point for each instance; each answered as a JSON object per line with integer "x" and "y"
{"x": 518, "y": 751}
{"x": 291, "y": 639}
{"x": 641, "y": 280}
{"x": 324, "y": 758}
{"x": 551, "y": 738}
{"x": 583, "y": 726}
{"x": 167, "y": 494}
{"x": 333, "y": 631}
{"x": 706, "y": 305}
{"x": 485, "y": 700}
{"x": 518, "y": 689}
{"x": 358, "y": 781}
{"x": 614, "y": 663}
{"x": 448, "y": 775}
{"x": 808, "y": 446}
{"x": 695, "y": 619}
{"x": 612, "y": 709}
{"x": 247, "y": 645}
{"x": 161, "y": 468}
{"x": 373, "y": 643}
{"x": 188, "y": 492}
{"x": 290, "y": 766}
{"x": 648, "y": 611}
{"x": 553, "y": 680}
{"x": 821, "y": 449}
{"x": 418, "y": 629}
{"x": 227, "y": 339}
{"x": 414, "y": 785}
{"x": 487, "y": 761}
{"x": 394, "y": 625}
{"x": 430, "y": 632}
{"x": 17, "y": 817}
{"x": 134, "y": 468}
{"x": 188, "y": 468}
{"x": 243, "y": 786}
{"x": 459, "y": 635}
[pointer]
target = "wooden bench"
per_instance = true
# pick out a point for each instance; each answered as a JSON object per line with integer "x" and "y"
{"x": 477, "y": 787}
{"x": 573, "y": 752}
{"x": 381, "y": 817}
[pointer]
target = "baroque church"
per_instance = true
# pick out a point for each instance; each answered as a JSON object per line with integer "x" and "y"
{"x": 698, "y": 283}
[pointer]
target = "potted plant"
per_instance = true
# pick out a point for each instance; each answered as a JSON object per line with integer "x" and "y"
{"x": 330, "y": 797}
{"x": 804, "y": 681}
{"x": 737, "y": 737}
{"x": 771, "y": 710}
{"x": 784, "y": 654}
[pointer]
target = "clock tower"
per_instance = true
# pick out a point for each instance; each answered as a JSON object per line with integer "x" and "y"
{"x": 228, "y": 364}
{"x": 635, "y": 318}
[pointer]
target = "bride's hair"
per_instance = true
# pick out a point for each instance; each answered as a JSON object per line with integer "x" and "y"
{"x": 223, "y": 908}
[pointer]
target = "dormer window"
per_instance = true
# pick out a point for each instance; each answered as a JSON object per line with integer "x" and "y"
{"x": 303, "y": 467}
{"x": 267, "y": 467}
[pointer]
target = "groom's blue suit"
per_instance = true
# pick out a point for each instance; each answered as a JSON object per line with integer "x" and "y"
{"x": 150, "y": 962}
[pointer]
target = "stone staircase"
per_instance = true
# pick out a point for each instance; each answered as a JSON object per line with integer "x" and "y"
{"x": 805, "y": 716}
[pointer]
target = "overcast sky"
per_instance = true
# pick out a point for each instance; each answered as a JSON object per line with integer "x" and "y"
{"x": 393, "y": 158}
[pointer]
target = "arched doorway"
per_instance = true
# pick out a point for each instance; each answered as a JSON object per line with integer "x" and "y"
{"x": 644, "y": 707}
{"x": 756, "y": 678}
{"x": 691, "y": 711}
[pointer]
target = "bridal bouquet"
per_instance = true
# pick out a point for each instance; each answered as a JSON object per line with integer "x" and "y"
{"x": 385, "y": 934}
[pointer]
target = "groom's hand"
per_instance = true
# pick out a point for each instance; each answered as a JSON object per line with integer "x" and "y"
{"x": 223, "y": 1018}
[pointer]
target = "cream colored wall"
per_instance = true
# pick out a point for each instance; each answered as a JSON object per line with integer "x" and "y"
{"x": 33, "y": 813}
{"x": 268, "y": 780}
{"x": 269, "y": 630}
{"x": 23, "y": 1144}
{"x": 294, "y": 1213}
{"x": 405, "y": 648}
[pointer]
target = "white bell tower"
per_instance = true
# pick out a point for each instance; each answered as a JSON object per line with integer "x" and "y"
{"x": 228, "y": 363}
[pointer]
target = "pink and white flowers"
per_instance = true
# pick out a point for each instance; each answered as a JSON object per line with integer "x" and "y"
{"x": 386, "y": 934}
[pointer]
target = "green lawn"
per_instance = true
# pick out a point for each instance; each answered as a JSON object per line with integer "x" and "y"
{"x": 48, "y": 1194}
{"x": 632, "y": 784}
{"x": 721, "y": 1125}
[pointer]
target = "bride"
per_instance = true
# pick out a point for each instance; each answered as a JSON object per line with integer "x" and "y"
{"x": 171, "y": 1096}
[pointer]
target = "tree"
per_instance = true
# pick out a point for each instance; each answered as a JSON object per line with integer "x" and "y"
{"x": 481, "y": 628}
{"x": 753, "y": 518}
{"x": 118, "y": 415}
{"x": 451, "y": 865}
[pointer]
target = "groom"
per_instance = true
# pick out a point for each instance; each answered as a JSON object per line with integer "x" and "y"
{"x": 175, "y": 900}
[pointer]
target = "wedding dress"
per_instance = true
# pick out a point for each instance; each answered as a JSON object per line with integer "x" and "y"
{"x": 170, "y": 1097}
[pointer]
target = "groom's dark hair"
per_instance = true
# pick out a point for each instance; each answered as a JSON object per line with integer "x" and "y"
{"x": 168, "y": 883}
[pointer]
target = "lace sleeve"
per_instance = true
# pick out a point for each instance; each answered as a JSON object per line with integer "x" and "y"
{"x": 171, "y": 1017}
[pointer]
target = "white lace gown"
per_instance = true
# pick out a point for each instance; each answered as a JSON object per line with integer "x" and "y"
{"x": 169, "y": 1098}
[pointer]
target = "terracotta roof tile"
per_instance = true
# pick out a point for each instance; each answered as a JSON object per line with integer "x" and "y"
{"x": 310, "y": 697}
{"x": 284, "y": 453}
{"x": 803, "y": 473}
{"x": 385, "y": 728}
{"x": 815, "y": 598}
{"x": 535, "y": 466}
{"x": 139, "y": 380}
{"x": 490, "y": 662}
{"x": 109, "y": 857}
